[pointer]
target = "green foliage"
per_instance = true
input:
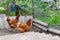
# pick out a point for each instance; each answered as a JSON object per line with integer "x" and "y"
{"x": 26, "y": 3}
{"x": 7, "y": 1}
{"x": 40, "y": 7}
{"x": 42, "y": 19}
{"x": 55, "y": 1}
{"x": 10, "y": 14}
{"x": 44, "y": 13}
{"x": 55, "y": 19}
{"x": 28, "y": 7}
{"x": 2, "y": 4}
{"x": 1, "y": 11}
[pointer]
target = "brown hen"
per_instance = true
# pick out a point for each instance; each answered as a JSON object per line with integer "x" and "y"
{"x": 12, "y": 22}
{"x": 24, "y": 26}
{"x": 21, "y": 27}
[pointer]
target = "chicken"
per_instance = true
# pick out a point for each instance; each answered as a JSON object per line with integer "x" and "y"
{"x": 12, "y": 22}
{"x": 21, "y": 27}
{"x": 24, "y": 26}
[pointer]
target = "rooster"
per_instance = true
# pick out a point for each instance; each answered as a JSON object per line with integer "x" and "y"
{"x": 12, "y": 22}
{"x": 22, "y": 27}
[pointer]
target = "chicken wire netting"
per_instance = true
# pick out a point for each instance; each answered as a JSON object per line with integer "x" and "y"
{"x": 9, "y": 6}
{"x": 47, "y": 11}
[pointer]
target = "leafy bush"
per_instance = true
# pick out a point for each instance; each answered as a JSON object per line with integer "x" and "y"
{"x": 55, "y": 19}
{"x": 47, "y": 14}
{"x": 10, "y": 14}
{"x": 1, "y": 11}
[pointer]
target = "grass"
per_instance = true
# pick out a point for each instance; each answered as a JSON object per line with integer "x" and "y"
{"x": 43, "y": 19}
{"x": 10, "y": 14}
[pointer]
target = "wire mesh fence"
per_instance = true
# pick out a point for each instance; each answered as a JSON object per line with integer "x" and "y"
{"x": 48, "y": 12}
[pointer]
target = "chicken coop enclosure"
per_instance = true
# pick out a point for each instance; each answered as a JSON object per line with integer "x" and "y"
{"x": 48, "y": 12}
{"x": 45, "y": 15}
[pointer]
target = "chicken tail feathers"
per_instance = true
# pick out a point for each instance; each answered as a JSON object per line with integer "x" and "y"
{"x": 17, "y": 17}
{"x": 29, "y": 22}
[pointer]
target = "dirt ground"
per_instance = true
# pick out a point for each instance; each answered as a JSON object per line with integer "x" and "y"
{"x": 30, "y": 35}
